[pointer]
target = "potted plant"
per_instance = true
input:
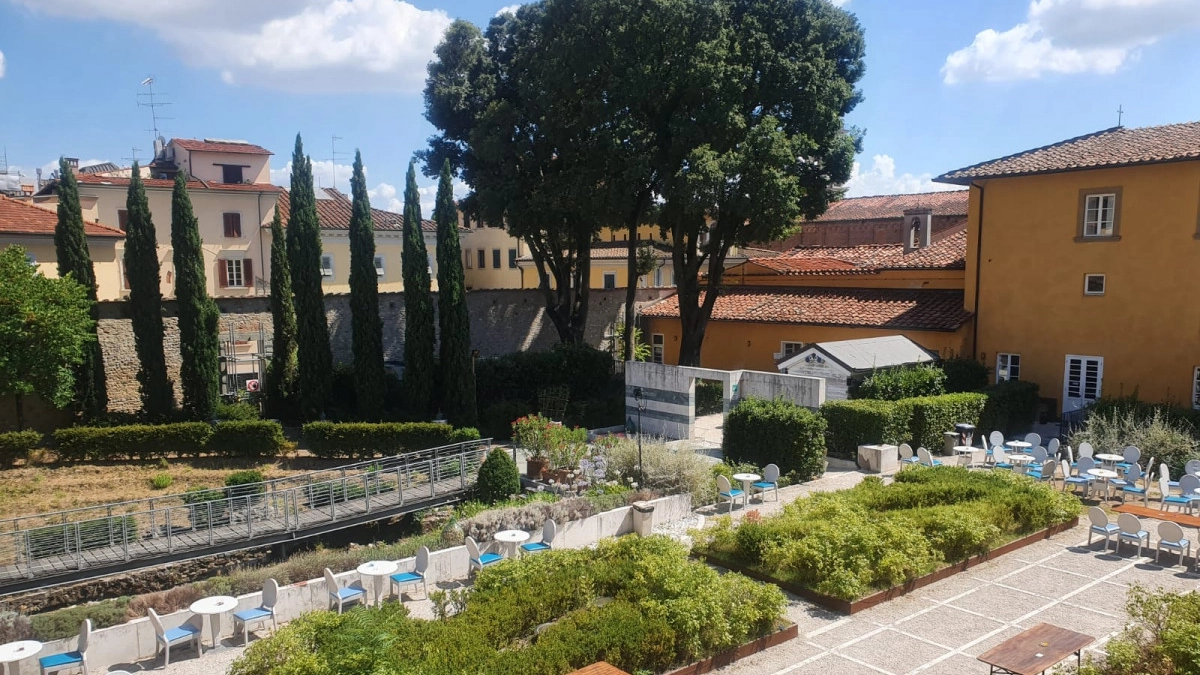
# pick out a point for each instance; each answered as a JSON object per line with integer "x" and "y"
{"x": 532, "y": 432}
{"x": 566, "y": 448}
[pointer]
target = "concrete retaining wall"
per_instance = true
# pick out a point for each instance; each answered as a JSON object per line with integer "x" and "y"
{"x": 128, "y": 643}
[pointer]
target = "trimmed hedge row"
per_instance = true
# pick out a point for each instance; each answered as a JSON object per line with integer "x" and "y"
{"x": 251, "y": 438}
{"x": 16, "y": 445}
{"x": 918, "y": 421}
{"x": 364, "y": 440}
{"x": 1011, "y": 407}
{"x": 777, "y": 432}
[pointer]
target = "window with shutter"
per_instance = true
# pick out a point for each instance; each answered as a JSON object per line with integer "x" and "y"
{"x": 122, "y": 219}
{"x": 496, "y": 258}
{"x": 482, "y": 255}
{"x": 233, "y": 225}
{"x": 234, "y": 275}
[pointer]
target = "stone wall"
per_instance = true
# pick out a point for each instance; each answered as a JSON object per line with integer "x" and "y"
{"x": 859, "y": 232}
{"x": 502, "y": 321}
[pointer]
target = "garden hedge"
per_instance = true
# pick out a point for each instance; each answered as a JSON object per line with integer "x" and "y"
{"x": 363, "y": 440}
{"x": 16, "y": 445}
{"x": 521, "y": 375}
{"x": 964, "y": 375}
{"x": 861, "y": 422}
{"x": 1011, "y": 407}
{"x": 253, "y": 438}
{"x": 894, "y": 384}
{"x": 776, "y": 432}
{"x": 931, "y": 416}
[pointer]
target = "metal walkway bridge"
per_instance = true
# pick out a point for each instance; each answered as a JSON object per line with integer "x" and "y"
{"x": 64, "y": 546}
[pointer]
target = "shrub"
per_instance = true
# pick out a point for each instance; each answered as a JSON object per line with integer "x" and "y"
{"x": 14, "y": 627}
{"x": 164, "y": 602}
{"x": 134, "y": 441}
{"x": 498, "y": 478}
{"x": 64, "y": 623}
{"x": 522, "y": 375}
{"x": 862, "y": 422}
{"x": 246, "y": 482}
{"x": 16, "y": 445}
{"x": 893, "y": 384}
{"x": 1169, "y": 439}
{"x": 236, "y": 412}
{"x": 931, "y": 416}
{"x": 710, "y": 397}
{"x": 776, "y": 432}
{"x": 963, "y": 374}
{"x": 161, "y": 481}
{"x": 668, "y": 470}
{"x": 364, "y": 440}
{"x": 1011, "y": 407}
{"x": 1159, "y": 639}
{"x": 249, "y": 438}
{"x": 495, "y": 420}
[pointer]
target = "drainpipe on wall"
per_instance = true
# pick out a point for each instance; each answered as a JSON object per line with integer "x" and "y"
{"x": 262, "y": 262}
{"x": 978, "y": 269}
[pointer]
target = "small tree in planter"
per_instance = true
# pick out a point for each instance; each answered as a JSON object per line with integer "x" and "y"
{"x": 532, "y": 432}
{"x": 498, "y": 478}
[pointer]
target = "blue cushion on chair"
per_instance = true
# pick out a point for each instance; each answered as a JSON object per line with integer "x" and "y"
{"x": 407, "y": 578}
{"x": 535, "y": 546}
{"x": 762, "y": 484}
{"x": 489, "y": 558}
{"x": 344, "y": 593}
{"x": 1107, "y": 529}
{"x": 183, "y": 632}
{"x": 732, "y": 493}
{"x": 911, "y": 460}
{"x": 59, "y": 660}
{"x": 1003, "y": 465}
{"x": 252, "y": 614}
{"x": 1172, "y": 499}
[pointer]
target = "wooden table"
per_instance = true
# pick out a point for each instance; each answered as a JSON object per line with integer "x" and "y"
{"x": 1036, "y": 650}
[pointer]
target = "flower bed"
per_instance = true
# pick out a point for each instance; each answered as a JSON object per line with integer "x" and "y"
{"x": 638, "y": 603}
{"x": 873, "y": 537}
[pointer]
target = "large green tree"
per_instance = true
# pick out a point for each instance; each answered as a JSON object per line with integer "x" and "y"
{"x": 199, "y": 318}
{"x": 145, "y": 302}
{"x": 282, "y": 375}
{"x": 454, "y": 322}
{"x": 366, "y": 325}
{"x": 46, "y": 329}
{"x": 419, "y": 372}
{"x": 70, "y": 246}
{"x": 304, "y": 253}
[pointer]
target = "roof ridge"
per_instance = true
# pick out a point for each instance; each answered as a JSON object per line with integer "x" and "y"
{"x": 1093, "y": 134}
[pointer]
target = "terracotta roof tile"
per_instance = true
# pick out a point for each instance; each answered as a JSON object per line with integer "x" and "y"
{"x": 334, "y": 213}
{"x": 161, "y": 183}
{"x": 949, "y": 203}
{"x": 236, "y": 148}
{"x": 21, "y": 217}
{"x": 949, "y": 252}
{"x": 1117, "y": 146}
{"x": 892, "y": 308}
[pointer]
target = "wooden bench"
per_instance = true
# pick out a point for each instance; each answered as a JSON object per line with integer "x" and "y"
{"x": 601, "y": 668}
{"x": 1159, "y": 514}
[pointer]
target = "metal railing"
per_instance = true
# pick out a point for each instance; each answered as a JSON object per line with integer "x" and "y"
{"x": 64, "y": 541}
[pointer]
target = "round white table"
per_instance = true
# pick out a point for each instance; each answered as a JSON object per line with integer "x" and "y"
{"x": 1104, "y": 475}
{"x": 378, "y": 570}
{"x": 1019, "y": 446}
{"x": 746, "y": 479}
{"x": 213, "y": 607}
{"x": 512, "y": 539}
{"x": 13, "y": 652}
{"x": 1109, "y": 458}
{"x": 965, "y": 450}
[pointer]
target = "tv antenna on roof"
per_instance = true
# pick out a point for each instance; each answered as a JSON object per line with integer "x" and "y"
{"x": 1120, "y": 112}
{"x": 149, "y": 100}
{"x": 133, "y": 155}
{"x": 333, "y": 156}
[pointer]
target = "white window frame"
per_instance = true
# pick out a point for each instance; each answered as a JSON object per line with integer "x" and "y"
{"x": 795, "y": 347}
{"x": 380, "y": 266}
{"x": 658, "y": 277}
{"x": 1103, "y": 284}
{"x": 326, "y": 270}
{"x": 1100, "y": 214}
{"x": 235, "y": 273}
{"x": 1082, "y": 386}
{"x": 1008, "y": 367}
{"x": 604, "y": 280}
{"x": 657, "y": 345}
{"x": 1196, "y": 388}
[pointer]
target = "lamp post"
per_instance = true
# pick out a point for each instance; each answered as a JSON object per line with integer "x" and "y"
{"x": 641, "y": 405}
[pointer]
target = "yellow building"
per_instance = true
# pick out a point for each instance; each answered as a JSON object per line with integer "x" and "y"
{"x": 23, "y": 224}
{"x": 491, "y": 257}
{"x": 610, "y": 267}
{"x": 333, "y": 212}
{"x": 232, "y": 199}
{"x": 774, "y": 306}
{"x": 1081, "y": 261}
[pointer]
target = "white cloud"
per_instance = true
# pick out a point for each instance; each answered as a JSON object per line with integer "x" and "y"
{"x": 390, "y": 198}
{"x": 323, "y": 174}
{"x": 300, "y": 45}
{"x": 840, "y": 3}
{"x": 508, "y": 9}
{"x": 1, "y": 64}
{"x": 1070, "y": 36}
{"x": 881, "y": 179}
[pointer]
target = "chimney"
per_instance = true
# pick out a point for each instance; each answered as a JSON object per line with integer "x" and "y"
{"x": 918, "y": 229}
{"x": 73, "y": 164}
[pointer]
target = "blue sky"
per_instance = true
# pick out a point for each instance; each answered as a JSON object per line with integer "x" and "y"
{"x": 948, "y": 83}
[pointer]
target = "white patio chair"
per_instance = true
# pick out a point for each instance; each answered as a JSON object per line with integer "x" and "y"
{"x": 1080, "y": 477}
{"x": 1189, "y": 486}
{"x": 996, "y": 438}
{"x": 1131, "y": 530}
{"x": 1033, "y": 439}
{"x": 770, "y": 481}
{"x": 1100, "y": 525}
{"x": 1053, "y": 447}
{"x": 549, "y": 530}
{"x": 417, "y": 575}
{"x": 340, "y": 595}
{"x": 1166, "y": 500}
{"x": 727, "y": 491}
{"x": 479, "y": 560}
{"x": 165, "y": 639}
{"x": 1192, "y": 466}
{"x": 1170, "y": 535}
{"x": 1132, "y": 455}
{"x": 926, "y": 458}
{"x": 1164, "y": 470}
{"x": 270, "y": 596}
{"x": 1039, "y": 454}
{"x": 1045, "y": 472}
{"x": 906, "y": 455}
{"x": 76, "y": 659}
{"x": 1070, "y": 455}
{"x": 1085, "y": 450}
{"x": 1128, "y": 484}
{"x": 1000, "y": 458}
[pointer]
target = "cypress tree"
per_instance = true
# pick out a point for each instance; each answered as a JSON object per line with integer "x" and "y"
{"x": 145, "y": 302}
{"x": 454, "y": 323}
{"x": 418, "y": 307}
{"x": 367, "y": 328}
{"x": 304, "y": 254}
{"x": 70, "y": 246}
{"x": 281, "y": 378}
{"x": 199, "y": 339}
